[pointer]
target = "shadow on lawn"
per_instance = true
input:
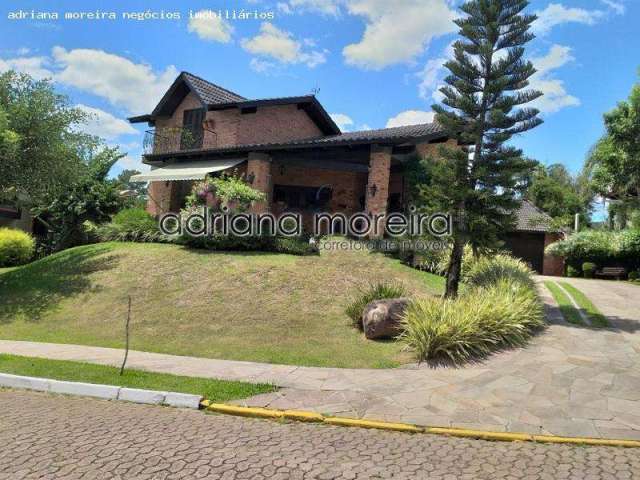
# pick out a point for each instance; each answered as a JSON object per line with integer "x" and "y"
{"x": 33, "y": 289}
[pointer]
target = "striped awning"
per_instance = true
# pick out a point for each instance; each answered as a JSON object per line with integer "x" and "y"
{"x": 186, "y": 170}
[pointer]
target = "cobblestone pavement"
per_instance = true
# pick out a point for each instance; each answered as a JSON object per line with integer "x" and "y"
{"x": 570, "y": 380}
{"x": 56, "y": 437}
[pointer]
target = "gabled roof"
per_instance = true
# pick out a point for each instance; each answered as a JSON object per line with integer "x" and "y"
{"x": 214, "y": 97}
{"x": 210, "y": 93}
{"x": 530, "y": 218}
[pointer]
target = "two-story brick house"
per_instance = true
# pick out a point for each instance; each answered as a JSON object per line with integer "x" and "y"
{"x": 289, "y": 148}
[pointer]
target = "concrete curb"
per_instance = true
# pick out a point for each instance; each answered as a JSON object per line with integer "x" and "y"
{"x": 105, "y": 392}
{"x": 304, "y": 416}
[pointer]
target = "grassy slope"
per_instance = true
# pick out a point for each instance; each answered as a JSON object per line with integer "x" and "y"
{"x": 569, "y": 312}
{"x": 596, "y": 317}
{"x": 260, "y": 307}
{"x": 215, "y": 390}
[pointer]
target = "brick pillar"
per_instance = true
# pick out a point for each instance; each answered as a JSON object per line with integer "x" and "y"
{"x": 259, "y": 167}
{"x": 552, "y": 265}
{"x": 377, "y": 194}
{"x": 160, "y": 196}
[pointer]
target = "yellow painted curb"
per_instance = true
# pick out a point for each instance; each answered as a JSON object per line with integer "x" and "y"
{"x": 482, "y": 434}
{"x": 353, "y": 422}
{"x": 245, "y": 411}
{"x": 303, "y": 416}
{"x": 306, "y": 416}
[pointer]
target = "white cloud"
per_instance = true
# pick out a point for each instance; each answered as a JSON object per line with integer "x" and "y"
{"x": 618, "y": 7}
{"x": 557, "y": 14}
{"x": 103, "y": 124}
{"x": 343, "y": 121}
{"x": 37, "y": 67}
{"x": 411, "y": 117}
{"x": 134, "y": 86}
{"x": 397, "y": 31}
{"x": 323, "y": 7}
{"x": 432, "y": 74}
{"x": 555, "y": 96}
{"x": 261, "y": 66}
{"x": 208, "y": 25}
{"x": 280, "y": 45}
{"x": 132, "y": 163}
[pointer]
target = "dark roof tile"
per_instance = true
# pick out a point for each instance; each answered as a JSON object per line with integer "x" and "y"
{"x": 531, "y": 219}
{"x": 210, "y": 93}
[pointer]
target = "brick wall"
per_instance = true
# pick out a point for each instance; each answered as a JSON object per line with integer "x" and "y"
{"x": 552, "y": 265}
{"x": 348, "y": 188}
{"x": 431, "y": 149}
{"x": 379, "y": 172}
{"x": 259, "y": 166}
{"x": 279, "y": 123}
{"x": 160, "y": 194}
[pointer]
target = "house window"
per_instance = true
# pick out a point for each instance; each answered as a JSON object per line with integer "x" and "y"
{"x": 302, "y": 198}
{"x": 192, "y": 129}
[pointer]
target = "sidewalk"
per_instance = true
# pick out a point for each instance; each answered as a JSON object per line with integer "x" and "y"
{"x": 569, "y": 381}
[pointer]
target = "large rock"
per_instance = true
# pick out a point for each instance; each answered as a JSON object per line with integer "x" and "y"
{"x": 381, "y": 318}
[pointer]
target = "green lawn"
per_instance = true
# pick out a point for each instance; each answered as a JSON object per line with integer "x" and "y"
{"x": 597, "y": 318}
{"x": 569, "y": 312}
{"x": 242, "y": 306}
{"x": 215, "y": 390}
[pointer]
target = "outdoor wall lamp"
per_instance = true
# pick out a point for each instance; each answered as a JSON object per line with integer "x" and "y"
{"x": 373, "y": 189}
{"x": 251, "y": 177}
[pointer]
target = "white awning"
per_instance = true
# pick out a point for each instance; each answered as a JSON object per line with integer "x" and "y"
{"x": 186, "y": 170}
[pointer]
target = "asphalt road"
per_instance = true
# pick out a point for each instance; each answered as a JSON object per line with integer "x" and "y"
{"x": 56, "y": 437}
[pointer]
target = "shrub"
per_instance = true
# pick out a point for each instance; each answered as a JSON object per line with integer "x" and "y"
{"x": 130, "y": 225}
{"x": 374, "y": 291}
{"x": 489, "y": 270}
{"x": 505, "y": 313}
{"x": 589, "y": 269}
{"x": 290, "y": 245}
{"x": 573, "y": 272}
{"x": 634, "y": 275}
{"x": 16, "y": 247}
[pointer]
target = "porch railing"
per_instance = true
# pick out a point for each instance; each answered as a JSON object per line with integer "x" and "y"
{"x": 176, "y": 139}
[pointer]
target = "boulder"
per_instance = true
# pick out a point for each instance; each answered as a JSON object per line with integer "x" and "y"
{"x": 381, "y": 318}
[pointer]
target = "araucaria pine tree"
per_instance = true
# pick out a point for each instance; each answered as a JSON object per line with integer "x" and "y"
{"x": 483, "y": 108}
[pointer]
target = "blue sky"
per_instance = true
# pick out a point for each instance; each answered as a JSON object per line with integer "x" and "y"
{"x": 375, "y": 62}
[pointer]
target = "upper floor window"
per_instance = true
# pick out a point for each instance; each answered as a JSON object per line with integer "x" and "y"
{"x": 192, "y": 129}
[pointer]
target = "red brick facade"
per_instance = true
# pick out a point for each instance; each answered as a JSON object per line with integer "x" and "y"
{"x": 259, "y": 174}
{"x": 553, "y": 266}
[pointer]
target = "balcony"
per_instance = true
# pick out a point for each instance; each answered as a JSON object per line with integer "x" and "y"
{"x": 176, "y": 139}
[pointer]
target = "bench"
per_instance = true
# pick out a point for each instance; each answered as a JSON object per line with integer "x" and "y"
{"x": 616, "y": 272}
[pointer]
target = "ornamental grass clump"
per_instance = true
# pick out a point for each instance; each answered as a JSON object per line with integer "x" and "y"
{"x": 374, "y": 291}
{"x": 481, "y": 320}
{"x": 16, "y": 247}
{"x": 489, "y": 270}
{"x": 130, "y": 225}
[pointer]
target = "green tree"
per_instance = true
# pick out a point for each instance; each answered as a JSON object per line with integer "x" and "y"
{"x": 480, "y": 185}
{"x": 90, "y": 197}
{"x": 613, "y": 165}
{"x": 40, "y": 150}
{"x": 556, "y": 192}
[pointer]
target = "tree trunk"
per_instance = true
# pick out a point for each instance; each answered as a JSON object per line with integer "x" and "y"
{"x": 455, "y": 268}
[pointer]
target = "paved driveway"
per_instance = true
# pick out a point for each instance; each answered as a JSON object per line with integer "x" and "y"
{"x": 619, "y": 301}
{"x": 63, "y": 438}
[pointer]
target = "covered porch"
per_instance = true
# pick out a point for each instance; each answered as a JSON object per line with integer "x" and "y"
{"x": 363, "y": 178}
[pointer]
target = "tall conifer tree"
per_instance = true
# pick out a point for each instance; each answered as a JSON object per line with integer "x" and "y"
{"x": 483, "y": 108}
